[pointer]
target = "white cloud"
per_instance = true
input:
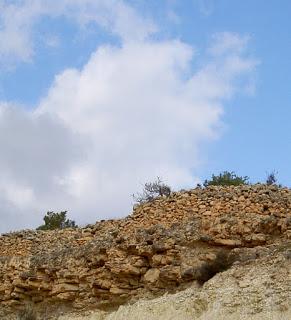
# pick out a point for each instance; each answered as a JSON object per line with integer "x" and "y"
{"x": 227, "y": 42}
{"x": 206, "y": 7}
{"x": 52, "y": 41}
{"x": 19, "y": 18}
{"x": 131, "y": 113}
{"x": 35, "y": 151}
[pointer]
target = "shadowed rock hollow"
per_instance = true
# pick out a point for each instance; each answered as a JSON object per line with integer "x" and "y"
{"x": 218, "y": 249}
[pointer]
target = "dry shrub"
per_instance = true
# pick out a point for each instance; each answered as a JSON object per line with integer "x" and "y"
{"x": 27, "y": 314}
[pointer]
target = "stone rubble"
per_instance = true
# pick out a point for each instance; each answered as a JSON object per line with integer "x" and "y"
{"x": 161, "y": 247}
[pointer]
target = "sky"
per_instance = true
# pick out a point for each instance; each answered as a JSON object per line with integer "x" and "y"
{"x": 98, "y": 97}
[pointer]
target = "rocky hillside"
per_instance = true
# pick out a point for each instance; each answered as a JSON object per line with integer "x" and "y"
{"x": 219, "y": 248}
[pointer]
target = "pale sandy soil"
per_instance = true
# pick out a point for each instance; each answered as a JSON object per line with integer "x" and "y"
{"x": 181, "y": 306}
{"x": 255, "y": 291}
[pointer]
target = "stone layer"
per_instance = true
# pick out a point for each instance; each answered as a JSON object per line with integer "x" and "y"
{"x": 163, "y": 246}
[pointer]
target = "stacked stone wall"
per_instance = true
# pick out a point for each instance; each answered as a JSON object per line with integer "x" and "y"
{"x": 162, "y": 246}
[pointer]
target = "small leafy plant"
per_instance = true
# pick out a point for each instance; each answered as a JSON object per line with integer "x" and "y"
{"x": 56, "y": 220}
{"x": 226, "y": 178}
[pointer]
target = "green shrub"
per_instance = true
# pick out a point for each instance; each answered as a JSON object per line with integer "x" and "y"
{"x": 226, "y": 178}
{"x": 56, "y": 220}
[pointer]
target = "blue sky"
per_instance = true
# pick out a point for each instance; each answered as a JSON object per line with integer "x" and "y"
{"x": 100, "y": 96}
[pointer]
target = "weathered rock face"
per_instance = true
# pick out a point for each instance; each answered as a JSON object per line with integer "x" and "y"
{"x": 255, "y": 289}
{"x": 162, "y": 247}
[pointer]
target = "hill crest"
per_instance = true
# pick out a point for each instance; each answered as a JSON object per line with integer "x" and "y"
{"x": 163, "y": 246}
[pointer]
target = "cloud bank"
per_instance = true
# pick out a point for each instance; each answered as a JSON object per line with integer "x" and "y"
{"x": 135, "y": 111}
{"x": 19, "y": 19}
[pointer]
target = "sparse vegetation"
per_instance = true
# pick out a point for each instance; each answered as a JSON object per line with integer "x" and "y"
{"x": 152, "y": 190}
{"x": 56, "y": 220}
{"x": 226, "y": 178}
{"x": 271, "y": 178}
{"x": 27, "y": 314}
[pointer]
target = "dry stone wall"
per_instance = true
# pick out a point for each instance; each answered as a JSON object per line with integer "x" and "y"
{"x": 163, "y": 246}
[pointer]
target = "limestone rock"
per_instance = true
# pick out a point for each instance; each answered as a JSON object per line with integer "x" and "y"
{"x": 152, "y": 275}
{"x": 164, "y": 246}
